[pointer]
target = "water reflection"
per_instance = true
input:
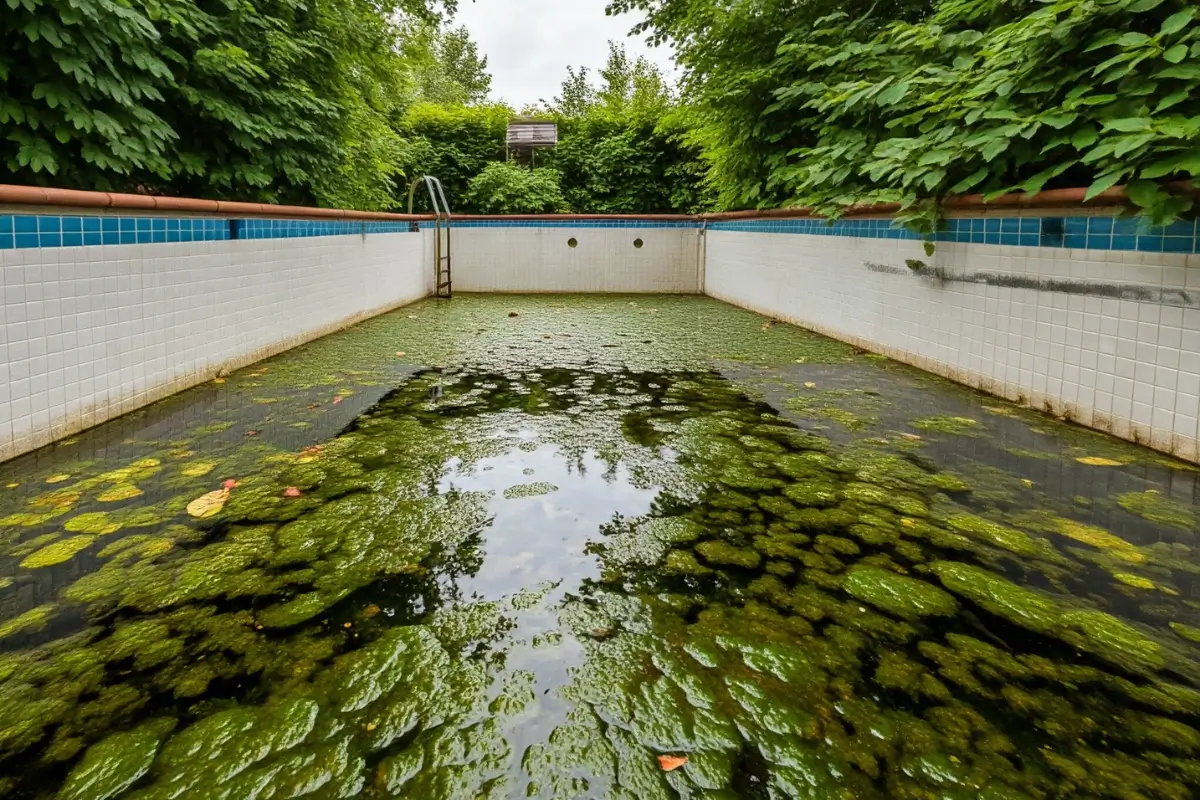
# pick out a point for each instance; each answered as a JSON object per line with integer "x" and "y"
{"x": 533, "y": 583}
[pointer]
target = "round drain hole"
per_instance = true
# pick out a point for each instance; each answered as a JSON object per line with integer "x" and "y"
{"x": 638, "y": 243}
{"x": 572, "y": 242}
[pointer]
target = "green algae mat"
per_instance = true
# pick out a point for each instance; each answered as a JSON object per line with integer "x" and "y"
{"x": 610, "y": 547}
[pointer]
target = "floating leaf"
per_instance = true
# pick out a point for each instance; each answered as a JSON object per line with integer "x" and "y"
{"x": 218, "y": 380}
{"x": 58, "y": 478}
{"x": 337, "y": 400}
{"x": 124, "y": 491}
{"x": 1098, "y": 461}
{"x": 346, "y": 392}
{"x": 57, "y": 553}
{"x": 292, "y": 491}
{"x": 199, "y": 469}
{"x": 96, "y": 523}
{"x": 208, "y": 505}
{"x": 230, "y": 484}
{"x": 671, "y": 763}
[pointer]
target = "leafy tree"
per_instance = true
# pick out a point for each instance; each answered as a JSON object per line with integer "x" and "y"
{"x": 997, "y": 97}
{"x": 628, "y": 88}
{"x": 838, "y": 103}
{"x": 280, "y": 100}
{"x": 578, "y": 95}
{"x": 446, "y": 64}
{"x": 506, "y": 188}
{"x": 455, "y": 143}
{"x": 613, "y": 165}
{"x": 728, "y": 56}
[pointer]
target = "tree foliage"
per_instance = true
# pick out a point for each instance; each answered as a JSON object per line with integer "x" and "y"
{"x": 506, "y": 188}
{"x": 620, "y": 148}
{"x": 455, "y": 143}
{"x": 282, "y": 100}
{"x": 838, "y": 103}
{"x": 445, "y": 63}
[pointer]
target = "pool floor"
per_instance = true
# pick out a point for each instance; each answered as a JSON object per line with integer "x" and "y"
{"x": 596, "y": 546}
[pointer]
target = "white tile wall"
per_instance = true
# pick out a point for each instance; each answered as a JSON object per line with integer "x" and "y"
{"x": 1131, "y": 368}
{"x": 90, "y": 333}
{"x": 499, "y": 259}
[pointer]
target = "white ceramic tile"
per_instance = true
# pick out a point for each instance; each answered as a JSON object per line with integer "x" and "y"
{"x": 604, "y": 260}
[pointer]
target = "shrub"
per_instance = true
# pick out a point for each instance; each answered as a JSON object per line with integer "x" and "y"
{"x": 505, "y": 188}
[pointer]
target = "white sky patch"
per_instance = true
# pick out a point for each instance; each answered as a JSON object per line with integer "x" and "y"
{"x": 530, "y": 43}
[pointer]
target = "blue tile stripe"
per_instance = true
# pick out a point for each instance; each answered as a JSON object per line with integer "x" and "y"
{"x": 1092, "y": 233}
{"x": 47, "y": 230}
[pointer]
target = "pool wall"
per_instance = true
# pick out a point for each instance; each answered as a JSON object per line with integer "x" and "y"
{"x": 113, "y": 301}
{"x": 538, "y": 256}
{"x": 1080, "y": 315}
{"x": 90, "y": 332}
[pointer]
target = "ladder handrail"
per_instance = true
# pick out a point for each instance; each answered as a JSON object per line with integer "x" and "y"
{"x": 437, "y": 183}
{"x": 436, "y": 191}
{"x": 441, "y": 212}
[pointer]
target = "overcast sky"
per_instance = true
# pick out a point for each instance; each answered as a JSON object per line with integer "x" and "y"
{"x": 529, "y": 43}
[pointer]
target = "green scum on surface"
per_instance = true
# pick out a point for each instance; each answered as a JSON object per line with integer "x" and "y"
{"x": 535, "y": 553}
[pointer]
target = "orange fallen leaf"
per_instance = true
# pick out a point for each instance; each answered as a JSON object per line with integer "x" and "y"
{"x": 337, "y": 400}
{"x": 208, "y": 505}
{"x": 218, "y": 380}
{"x": 291, "y": 491}
{"x": 400, "y": 353}
{"x": 230, "y": 484}
{"x": 671, "y": 763}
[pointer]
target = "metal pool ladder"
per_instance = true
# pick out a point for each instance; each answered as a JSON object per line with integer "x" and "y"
{"x": 443, "y": 285}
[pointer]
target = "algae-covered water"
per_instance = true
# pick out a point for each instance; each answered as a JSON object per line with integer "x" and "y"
{"x": 526, "y": 546}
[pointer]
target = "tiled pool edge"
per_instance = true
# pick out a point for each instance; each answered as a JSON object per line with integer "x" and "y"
{"x": 996, "y": 318}
{"x": 1102, "y": 231}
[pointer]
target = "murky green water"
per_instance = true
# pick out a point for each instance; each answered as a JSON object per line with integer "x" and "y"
{"x": 453, "y": 553}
